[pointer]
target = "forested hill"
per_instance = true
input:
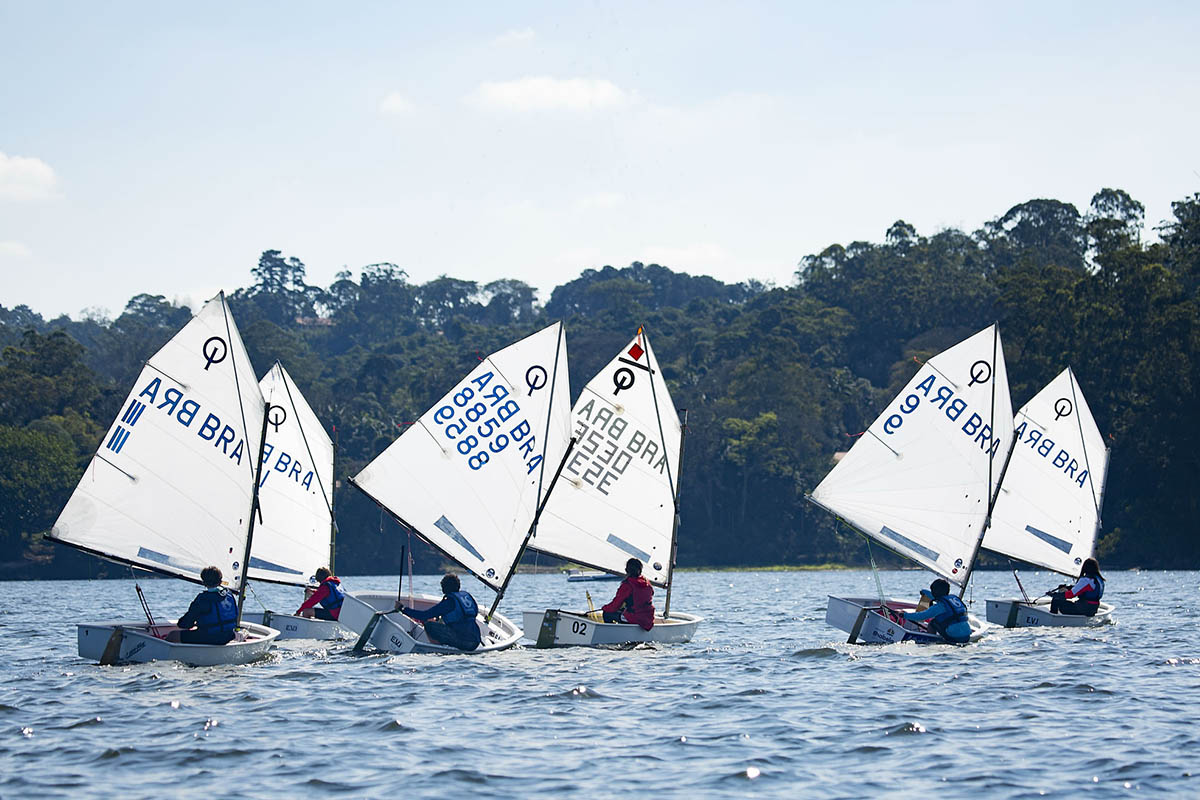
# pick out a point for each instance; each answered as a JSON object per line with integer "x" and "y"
{"x": 775, "y": 380}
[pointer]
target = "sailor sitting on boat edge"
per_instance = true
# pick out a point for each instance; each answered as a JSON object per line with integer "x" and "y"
{"x": 1089, "y": 589}
{"x": 632, "y": 603}
{"x": 212, "y": 616}
{"x": 458, "y": 611}
{"x": 329, "y": 594}
{"x": 947, "y": 615}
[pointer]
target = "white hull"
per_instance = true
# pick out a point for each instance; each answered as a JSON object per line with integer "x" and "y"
{"x": 844, "y": 614}
{"x": 396, "y": 633}
{"x": 554, "y": 628}
{"x": 291, "y": 626}
{"x": 139, "y": 644}
{"x": 1019, "y": 614}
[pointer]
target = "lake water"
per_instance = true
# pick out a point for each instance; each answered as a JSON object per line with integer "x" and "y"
{"x": 766, "y": 701}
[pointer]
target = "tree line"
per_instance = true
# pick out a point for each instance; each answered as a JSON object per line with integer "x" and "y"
{"x": 775, "y": 379}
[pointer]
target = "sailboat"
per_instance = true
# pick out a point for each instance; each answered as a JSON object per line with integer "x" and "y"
{"x": 1048, "y": 511}
{"x": 619, "y": 499}
{"x": 297, "y": 535}
{"x": 471, "y": 477}
{"x": 173, "y": 487}
{"x": 923, "y": 478}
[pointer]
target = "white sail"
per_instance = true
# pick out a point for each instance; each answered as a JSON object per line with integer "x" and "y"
{"x": 1048, "y": 510}
{"x": 171, "y": 485}
{"x": 616, "y": 496}
{"x": 469, "y": 475}
{"x": 918, "y": 479}
{"x": 295, "y": 532}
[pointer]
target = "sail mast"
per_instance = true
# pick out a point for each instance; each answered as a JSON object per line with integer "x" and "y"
{"x": 675, "y": 522}
{"x": 255, "y": 511}
{"x": 332, "y": 499}
{"x": 987, "y": 520}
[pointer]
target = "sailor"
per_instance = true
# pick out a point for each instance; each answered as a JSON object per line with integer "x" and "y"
{"x": 328, "y": 594}
{"x": 211, "y": 617}
{"x": 632, "y": 603}
{"x": 457, "y": 610}
{"x": 1088, "y": 589}
{"x": 947, "y": 614}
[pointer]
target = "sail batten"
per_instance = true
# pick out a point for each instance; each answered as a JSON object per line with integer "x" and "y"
{"x": 922, "y": 481}
{"x": 171, "y": 485}
{"x": 1048, "y": 511}
{"x": 467, "y": 477}
{"x": 617, "y": 498}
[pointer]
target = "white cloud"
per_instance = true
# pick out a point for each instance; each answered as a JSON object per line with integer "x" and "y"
{"x": 395, "y": 103}
{"x": 546, "y": 94}
{"x": 14, "y": 250}
{"x": 599, "y": 200}
{"x": 514, "y": 37}
{"x": 23, "y": 178}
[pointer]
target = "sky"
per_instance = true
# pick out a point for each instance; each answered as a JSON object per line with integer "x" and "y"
{"x": 161, "y": 147}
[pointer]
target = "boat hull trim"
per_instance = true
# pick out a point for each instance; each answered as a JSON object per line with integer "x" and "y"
{"x": 555, "y": 628}
{"x": 1020, "y": 614}
{"x": 124, "y": 642}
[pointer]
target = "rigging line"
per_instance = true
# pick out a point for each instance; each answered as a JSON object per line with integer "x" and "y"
{"x": 166, "y": 375}
{"x": 141, "y": 597}
{"x": 308, "y": 449}
{"x": 875, "y": 571}
{"x": 662, "y": 439}
{"x": 549, "y": 414}
{"x": 503, "y": 377}
{"x": 114, "y": 466}
{"x": 237, "y": 384}
{"x": 882, "y": 442}
{"x": 257, "y": 598}
{"x": 1020, "y": 586}
{"x": 1082, "y": 442}
{"x": 938, "y": 371}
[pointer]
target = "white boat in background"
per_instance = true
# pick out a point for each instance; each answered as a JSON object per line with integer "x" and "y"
{"x": 297, "y": 533}
{"x": 1048, "y": 511}
{"x": 619, "y": 499}
{"x": 471, "y": 477}
{"x": 173, "y": 487}
{"x": 589, "y": 575}
{"x": 923, "y": 478}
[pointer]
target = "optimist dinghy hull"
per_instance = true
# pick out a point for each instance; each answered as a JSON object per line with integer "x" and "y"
{"x": 291, "y": 626}
{"x": 863, "y": 618}
{"x": 1019, "y": 614}
{"x": 138, "y": 643}
{"x": 396, "y": 633}
{"x": 554, "y": 628}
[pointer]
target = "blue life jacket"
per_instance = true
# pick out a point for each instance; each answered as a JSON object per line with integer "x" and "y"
{"x": 461, "y": 618}
{"x": 220, "y": 618}
{"x": 333, "y": 600}
{"x": 465, "y": 609}
{"x": 953, "y": 610}
{"x": 1093, "y": 594}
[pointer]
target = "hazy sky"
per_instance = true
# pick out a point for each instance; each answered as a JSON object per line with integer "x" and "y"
{"x": 160, "y": 147}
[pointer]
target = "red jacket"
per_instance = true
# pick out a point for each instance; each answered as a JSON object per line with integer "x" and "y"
{"x": 633, "y": 600}
{"x": 319, "y": 594}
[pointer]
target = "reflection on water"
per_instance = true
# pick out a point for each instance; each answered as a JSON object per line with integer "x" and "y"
{"x": 766, "y": 701}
